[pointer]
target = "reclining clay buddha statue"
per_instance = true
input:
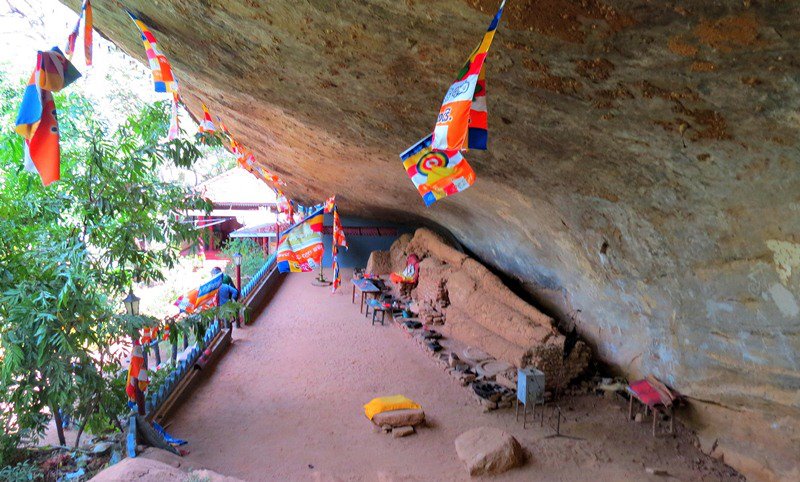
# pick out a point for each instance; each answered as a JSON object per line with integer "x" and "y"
{"x": 410, "y": 274}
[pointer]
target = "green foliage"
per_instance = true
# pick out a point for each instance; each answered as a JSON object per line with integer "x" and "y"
{"x": 253, "y": 257}
{"x": 22, "y": 472}
{"x": 69, "y": 251}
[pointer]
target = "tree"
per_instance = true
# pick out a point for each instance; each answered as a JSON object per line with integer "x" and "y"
{"x": 69, "y": 252}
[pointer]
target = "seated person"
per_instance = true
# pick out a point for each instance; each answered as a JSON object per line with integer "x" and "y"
{"x": 410, "y": 275}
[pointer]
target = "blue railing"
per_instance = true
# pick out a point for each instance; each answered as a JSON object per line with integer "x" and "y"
{"x": 259, "y": 275}
{"x": 155, "y": 399}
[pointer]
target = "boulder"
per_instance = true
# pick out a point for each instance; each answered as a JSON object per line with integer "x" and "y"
{"x": 140, "y": 470}
{"x": 380, "y": 262}
{"x": 489, "y": 451}
{"x": 399, "y": 418}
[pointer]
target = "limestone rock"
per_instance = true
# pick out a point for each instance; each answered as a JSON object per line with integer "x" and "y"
{"x": 399, "y": 418}
{"x": 488, "y": 451}
{"x": 379, "y": 262}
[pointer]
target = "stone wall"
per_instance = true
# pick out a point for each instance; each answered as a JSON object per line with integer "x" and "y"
{"x": 476, "y": 308}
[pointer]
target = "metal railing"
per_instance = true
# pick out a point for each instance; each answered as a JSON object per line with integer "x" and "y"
{"x": 248, "y": 288}
{"x": 155, "y": 399}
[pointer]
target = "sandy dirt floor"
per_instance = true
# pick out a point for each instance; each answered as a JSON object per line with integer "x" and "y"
{"x": 285, "y": 403}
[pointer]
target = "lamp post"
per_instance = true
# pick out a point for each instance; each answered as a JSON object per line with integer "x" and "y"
{"x": 237, "y": 261}
{"x": 131, "y": 303}
{"x": 132, "y": 308}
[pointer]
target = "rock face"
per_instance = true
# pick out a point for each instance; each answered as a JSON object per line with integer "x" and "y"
{"x": 642, "y": 178}
{"x": 489, "y": 451}
{"x": 478, "y": 309}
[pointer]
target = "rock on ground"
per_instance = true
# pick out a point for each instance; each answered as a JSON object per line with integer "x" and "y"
{"x": 145, "y": 469}
{"x": 399, "y": 418}
{"x": 489, "y": 451}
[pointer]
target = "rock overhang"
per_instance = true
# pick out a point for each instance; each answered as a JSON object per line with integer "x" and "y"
{"x": 642, "y": 169}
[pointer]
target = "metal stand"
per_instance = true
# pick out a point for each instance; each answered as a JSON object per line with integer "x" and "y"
{"x": 320, "y": 279}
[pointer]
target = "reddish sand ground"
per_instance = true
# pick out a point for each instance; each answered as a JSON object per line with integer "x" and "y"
{"x": 285, "y": 403}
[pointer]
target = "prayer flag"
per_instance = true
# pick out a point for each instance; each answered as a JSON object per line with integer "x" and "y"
{"x": 207, "y": 125}
{"x": 338, "y": 232}
{"x": 137, "y": 370}
{"x": 163, "y": 78}
{"x": 463, "y": 110}
{"x": 174, "y": 127}
{"x": 338, "y": 240}
{"x": 337, "y": 278}
{"x": 86, "y": 15}
{"x": 300, "y": 249}
{"x": 435, "y": 173}
{"x": 201, "y": 298}
{"x": 37, "y": 120}
{"x": 87, "y": 32}
{"x": 330, "y": 204}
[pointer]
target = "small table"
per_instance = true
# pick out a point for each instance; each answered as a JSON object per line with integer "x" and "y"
{"x": 364, "y": 286}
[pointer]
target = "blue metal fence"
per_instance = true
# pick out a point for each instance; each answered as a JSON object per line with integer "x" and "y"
{"x": 155, "y": 399}
{"x": 259, "y": 275}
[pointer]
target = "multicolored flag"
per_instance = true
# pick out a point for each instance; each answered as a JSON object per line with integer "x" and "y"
{"x": 163, "y": 78}
{"x": 463, "y": 113}
{"x": 248, "y": 161}
{"x": 338, "y": 240}
{"x": 174, "y": 127}
{"x": 86, "y": 15}
{"x": 37, "y": 120}
{"x": 207, "y": 125}
{"x": 436, "y": 174}
{"x": 337, "y": 278}
{"x": 330, "y": 204}
{"x": 201, "y": 298}
{"x": 338, "y": 232}
{"x": 301, "y": 249}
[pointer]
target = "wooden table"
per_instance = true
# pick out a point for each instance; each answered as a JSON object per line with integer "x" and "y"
{"x": 364, "y": 286}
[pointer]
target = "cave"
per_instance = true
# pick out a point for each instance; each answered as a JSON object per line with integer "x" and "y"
{"x": 642, "y": 179}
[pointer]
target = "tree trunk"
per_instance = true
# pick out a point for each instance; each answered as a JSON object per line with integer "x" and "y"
{"x": 83, "y": 422}
{"x": 59, "y": 427}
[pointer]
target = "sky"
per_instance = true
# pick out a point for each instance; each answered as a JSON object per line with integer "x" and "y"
{"x": 116, "y": 84}
{"x": 27, "y": 26}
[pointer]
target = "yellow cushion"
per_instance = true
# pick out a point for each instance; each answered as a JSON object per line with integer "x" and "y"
{"x": 387, "y": 404}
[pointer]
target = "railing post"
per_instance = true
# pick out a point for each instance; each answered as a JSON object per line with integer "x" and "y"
{"x": 157, "y": 352}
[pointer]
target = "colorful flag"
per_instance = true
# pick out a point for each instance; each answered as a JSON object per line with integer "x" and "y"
{"x": 86, "y": 15}
{"x": 338, "y": 232}
{"x": 330, "y": 204}
{"x": 463, "y": 110}
{"x": 174, "y": 127}
{"x": 87, "y": 32}
{"x": 37, "y": 120}
{"x": 300, "y": 249}
{"x": 163, "y": 78}
{"x": 248, "y": 161}
{"x": 201, "y": 298}
{"x": 436, "y": 174}
{"x": 338, "y": 240}
{"x": 207, "y": 125}
{"x": 337, "y": 278}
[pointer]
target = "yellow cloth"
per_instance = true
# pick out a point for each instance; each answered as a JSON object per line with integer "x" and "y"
{"x": 387, "y": 404}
